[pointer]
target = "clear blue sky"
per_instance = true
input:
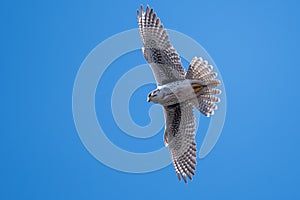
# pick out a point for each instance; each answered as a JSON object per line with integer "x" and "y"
{"x": 256, "y": 47}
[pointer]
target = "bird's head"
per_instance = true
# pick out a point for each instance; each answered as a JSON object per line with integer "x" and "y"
{"x": 155, "y": 96}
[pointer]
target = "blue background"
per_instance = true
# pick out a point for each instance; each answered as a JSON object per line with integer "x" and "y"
{"x": 255, "y": 45}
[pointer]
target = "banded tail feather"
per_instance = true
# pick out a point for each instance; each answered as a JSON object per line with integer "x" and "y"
{"x": 205, "y": 89}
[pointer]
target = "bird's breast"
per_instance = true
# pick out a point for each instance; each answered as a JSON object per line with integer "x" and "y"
{"x": 182, "y": 90}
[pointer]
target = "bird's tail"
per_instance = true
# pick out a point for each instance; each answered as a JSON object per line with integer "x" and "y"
{"x": 204, "y": 86}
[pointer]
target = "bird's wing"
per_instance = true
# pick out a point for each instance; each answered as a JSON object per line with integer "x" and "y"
{"x": 158, "y": 51}
{"x": 180, "y": 138}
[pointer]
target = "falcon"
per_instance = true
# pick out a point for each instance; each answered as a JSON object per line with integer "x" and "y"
{"x": 177, "y": 91}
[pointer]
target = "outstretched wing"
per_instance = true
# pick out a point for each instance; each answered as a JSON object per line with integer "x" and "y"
{"x": 180, "y": 138}
{"x": 158, "y": 51}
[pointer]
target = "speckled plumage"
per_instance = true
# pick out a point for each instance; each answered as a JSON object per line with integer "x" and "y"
{"x": 177, "y": 91}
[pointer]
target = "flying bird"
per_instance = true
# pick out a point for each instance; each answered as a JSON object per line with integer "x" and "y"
{"x": 177, "y": 91}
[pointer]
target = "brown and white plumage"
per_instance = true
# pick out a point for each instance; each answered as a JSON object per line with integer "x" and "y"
{"x": 200, "y": 70}
{"x": 158, "y": 51}
{"x": 177, "y": 91}
{"x": 180, "y": 138}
